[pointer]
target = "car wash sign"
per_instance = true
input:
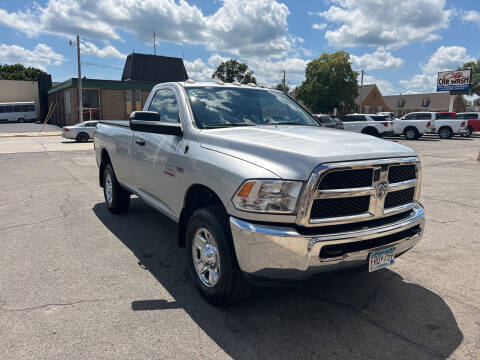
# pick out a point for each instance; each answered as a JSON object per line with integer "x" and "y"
{"x": 454, "y": 80}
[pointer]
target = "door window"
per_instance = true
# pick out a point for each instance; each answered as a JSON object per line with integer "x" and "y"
{"x": 2, "y": 109}
{"x": 423, "y": 116}
{"x": 9, "y": 108}
{"x": 165, "y": 104}
{"x": 17, "y": 108}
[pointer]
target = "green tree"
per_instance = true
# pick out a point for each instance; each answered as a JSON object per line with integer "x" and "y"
{"x": 19, "y": 72}
{"x": 329, "y": 83}
{"x": 280, "y": 87}
{"x": 476, "y": 102}
{"x": 475, "y": 66}
{"x": 233, "y": 70}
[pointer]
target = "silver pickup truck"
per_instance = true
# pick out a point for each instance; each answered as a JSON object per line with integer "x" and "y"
{"x": 261, "y": 193}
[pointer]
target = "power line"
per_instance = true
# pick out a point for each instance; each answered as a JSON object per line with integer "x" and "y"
{"x": 101, "y": 66}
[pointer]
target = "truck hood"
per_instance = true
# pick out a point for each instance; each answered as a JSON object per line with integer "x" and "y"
{"x": 292, "y": 152}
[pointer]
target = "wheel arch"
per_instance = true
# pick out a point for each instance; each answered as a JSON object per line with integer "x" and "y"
{"x": 196, "y": 197}
{"x": 104, "y": 160}
{"x": 370, "y": 130}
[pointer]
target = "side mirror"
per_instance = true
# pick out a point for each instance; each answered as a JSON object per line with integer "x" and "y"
{"x": 150, "y": 122}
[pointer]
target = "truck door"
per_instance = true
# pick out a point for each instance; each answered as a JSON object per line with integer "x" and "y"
{"x": 159, "y": 158}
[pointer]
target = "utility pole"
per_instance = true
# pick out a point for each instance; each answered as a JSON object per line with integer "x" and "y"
{"x": 360, "y": 91}
{"x": 80, "y": 95}
{"x": 283, "y": 83}
{"x": 154, "y": 44}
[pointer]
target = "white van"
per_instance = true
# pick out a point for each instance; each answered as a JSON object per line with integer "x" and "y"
{"x": 18, "y": 111}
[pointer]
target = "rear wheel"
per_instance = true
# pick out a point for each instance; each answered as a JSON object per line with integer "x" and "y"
{"x": 445, "y": 132}
{"x": 211, "y": 258}
{"x": 411, "y": 133}
{"x": 117, "y": 198}
{"x": 82, "y": 137}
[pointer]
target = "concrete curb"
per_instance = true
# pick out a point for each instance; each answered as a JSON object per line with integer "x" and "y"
{"x": 31, "y": 134}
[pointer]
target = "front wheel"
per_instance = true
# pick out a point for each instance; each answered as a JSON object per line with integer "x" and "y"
{"x": 211, "y": 258}
{"x": 117, "y": 198}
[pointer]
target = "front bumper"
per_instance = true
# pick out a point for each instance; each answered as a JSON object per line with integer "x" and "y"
{"x": 282, "y": 253}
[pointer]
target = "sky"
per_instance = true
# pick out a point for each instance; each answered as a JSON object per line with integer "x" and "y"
{"x": 401, "y": 44}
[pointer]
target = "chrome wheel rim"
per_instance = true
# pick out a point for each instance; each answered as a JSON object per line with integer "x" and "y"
{"x": 108, "y": 188}
{"x": 410, "y": 134}
{"x": 205, "y": 257}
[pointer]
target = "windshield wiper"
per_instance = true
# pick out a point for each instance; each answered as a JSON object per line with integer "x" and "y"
{"x": 216, "y": 126}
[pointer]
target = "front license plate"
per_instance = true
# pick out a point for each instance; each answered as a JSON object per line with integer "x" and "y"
{"x": 381, "y": 258}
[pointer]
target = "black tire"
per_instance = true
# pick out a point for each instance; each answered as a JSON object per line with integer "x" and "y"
{"x": 469, "y": 132}
{"x": 371, "y": 131}
{"x": 231, "y": 287}
{"x": 117, "y": 198}
{"x": 21, "y": 120}
{"x": 411, "y": 133}
{"x": 445, "y": 132}
{"x": 82, "y": 137}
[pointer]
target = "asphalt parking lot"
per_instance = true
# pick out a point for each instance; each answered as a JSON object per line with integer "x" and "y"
{"x": 79, "y": 282}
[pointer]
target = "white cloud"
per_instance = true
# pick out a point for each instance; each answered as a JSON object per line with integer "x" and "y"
{"x": 39, "y": 57}
{"x": 267, "y": 72}
{"x": 385, "y": 86}
{"x": 379, "y": 59}
{"x": 319, "y": 26}
{"x": 444, "y": 58}
{"x": 472, "y": 16}
{"x": 386, "y": 23}
{"x": 243, "y": 28}
{"x": 107, "y": 51}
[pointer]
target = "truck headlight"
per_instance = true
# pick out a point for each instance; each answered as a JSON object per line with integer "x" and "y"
{"x": 268, "y": 196}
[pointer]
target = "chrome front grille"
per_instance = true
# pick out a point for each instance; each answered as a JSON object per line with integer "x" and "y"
{"x": 350, "y": 192}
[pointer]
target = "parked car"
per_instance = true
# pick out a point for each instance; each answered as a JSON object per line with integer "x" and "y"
{"x": 80, "y": 132}
{"x": 366, "y": 124}
{"x": 261, "y": 192}
{"x": 413, "y": 125}
{"x": 18, "y": 111}
{"x": 444, "y": 127}
{"x": 387, "y": 113}
{"x": 327, "y": 121}
{"x": 473, "y": 124}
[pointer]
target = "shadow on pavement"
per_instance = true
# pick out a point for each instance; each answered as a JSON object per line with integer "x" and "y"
{"x": 374, "y": 316}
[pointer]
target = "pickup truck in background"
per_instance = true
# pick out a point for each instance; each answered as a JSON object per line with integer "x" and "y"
{"x": 413, "y": 125}
{"x": 261, "y": 192}
{"x": 473, "y": 124}
{"x": 442, "y": 125}
{"x": 367, "y": 124}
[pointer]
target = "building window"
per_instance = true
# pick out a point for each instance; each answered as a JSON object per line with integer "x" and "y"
{"x": 426, "y": 102}
{"x": 367, "y": 109}
{"x": 401, "y": 103}
{"x": 128, "y": 102}
{"x": 379, "y": 109}
{"x": 138, "y": 100}
{"x": 91, "y": 105}
{"x": 374, "y": 95}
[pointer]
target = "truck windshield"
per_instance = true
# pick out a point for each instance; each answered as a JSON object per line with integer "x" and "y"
{"x": 215, "y": 107}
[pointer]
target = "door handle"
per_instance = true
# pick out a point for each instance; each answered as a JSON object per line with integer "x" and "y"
{"x": 140, "y": 142}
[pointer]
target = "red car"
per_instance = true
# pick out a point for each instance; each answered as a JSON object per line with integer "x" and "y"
{"x": 473, "y": 121}
{"x": 446, "y": 115}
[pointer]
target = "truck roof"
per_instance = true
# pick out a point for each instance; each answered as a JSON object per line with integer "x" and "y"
{"x": 220, "y": 84}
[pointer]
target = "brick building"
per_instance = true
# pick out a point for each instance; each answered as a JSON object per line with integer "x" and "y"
{"x": 114, "y": 99}
{"x": 368, "y": 101}
{"x": 440, "y": 101}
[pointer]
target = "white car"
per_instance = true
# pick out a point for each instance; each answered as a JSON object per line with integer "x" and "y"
{"x": 80, "y": 132}
{"x": 413, "y": 125}
{"x": 370, "y": 124}
{"x": 444, "y": 127}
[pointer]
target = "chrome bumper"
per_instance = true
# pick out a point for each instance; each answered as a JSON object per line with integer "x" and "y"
{"x": 282, "y": 253}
